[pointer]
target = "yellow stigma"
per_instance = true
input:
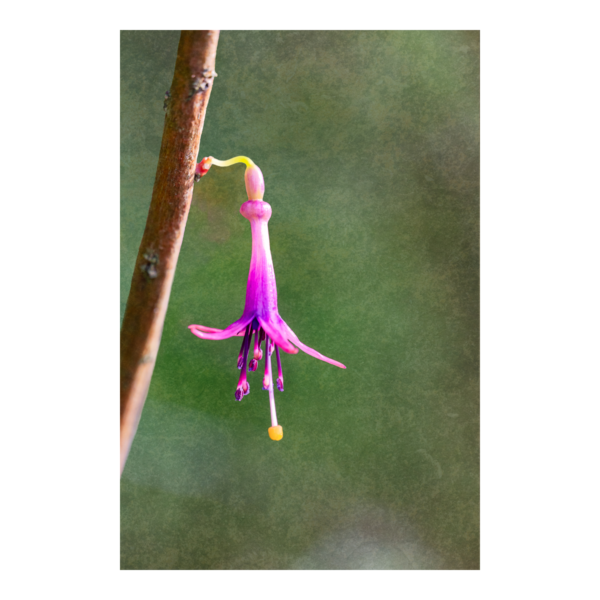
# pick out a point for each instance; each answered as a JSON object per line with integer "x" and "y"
{"x": 255, "y": 184}
{"x": 276, "y": 433}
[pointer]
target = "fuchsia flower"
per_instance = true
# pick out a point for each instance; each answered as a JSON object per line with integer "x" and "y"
{"x": 260, "y": 317}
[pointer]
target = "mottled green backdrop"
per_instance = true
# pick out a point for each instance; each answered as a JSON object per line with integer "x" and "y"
{"x": 369, "y": 145}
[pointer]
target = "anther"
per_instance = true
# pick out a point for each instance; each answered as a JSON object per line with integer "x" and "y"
{"x": 243, "y": 387}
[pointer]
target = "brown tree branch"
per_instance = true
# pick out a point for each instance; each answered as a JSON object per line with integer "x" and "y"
{"x": 157, "y": 257}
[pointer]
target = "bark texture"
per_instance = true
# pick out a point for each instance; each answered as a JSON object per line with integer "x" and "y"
{"x": 159, "y": 250}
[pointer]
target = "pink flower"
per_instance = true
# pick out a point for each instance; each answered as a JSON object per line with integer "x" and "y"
{"x": 260, "y": 320}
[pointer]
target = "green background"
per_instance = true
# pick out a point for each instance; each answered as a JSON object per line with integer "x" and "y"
{"x": 369, "y": 145}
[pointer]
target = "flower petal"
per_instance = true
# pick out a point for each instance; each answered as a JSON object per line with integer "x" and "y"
{"x": 210, "y": 333}
{"x": 212, "y": 329}
{"x": 294, "y": 339}
{"x": 275, "y": 332}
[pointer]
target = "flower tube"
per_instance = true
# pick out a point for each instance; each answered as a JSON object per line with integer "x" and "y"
{"x": 261, "y": 316}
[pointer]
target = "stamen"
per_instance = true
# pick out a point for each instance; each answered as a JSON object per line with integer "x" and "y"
{"x": 258, "y": 338}
{"x": 267, "y": 378}
{"x": 255, "y": 329}
{"x": 243, "y": 386}
{"x": 241, "y": 354}
{"x": 279, "y": 371}
{"x": 275, "y": 431}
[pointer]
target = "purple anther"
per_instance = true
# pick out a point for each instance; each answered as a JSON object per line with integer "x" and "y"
{"x": 252, "y": 365}
{"x": 279, "y": 371}
{"x": 242, "y": 387}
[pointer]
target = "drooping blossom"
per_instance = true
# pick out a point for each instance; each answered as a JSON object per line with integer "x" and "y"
{"x": 260, "y": 320}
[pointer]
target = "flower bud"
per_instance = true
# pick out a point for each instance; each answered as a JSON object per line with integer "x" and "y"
{"x": 255, "y": 183}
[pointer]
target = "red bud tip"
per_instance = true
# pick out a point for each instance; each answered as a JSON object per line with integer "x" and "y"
{"x": 203, "y": 166}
